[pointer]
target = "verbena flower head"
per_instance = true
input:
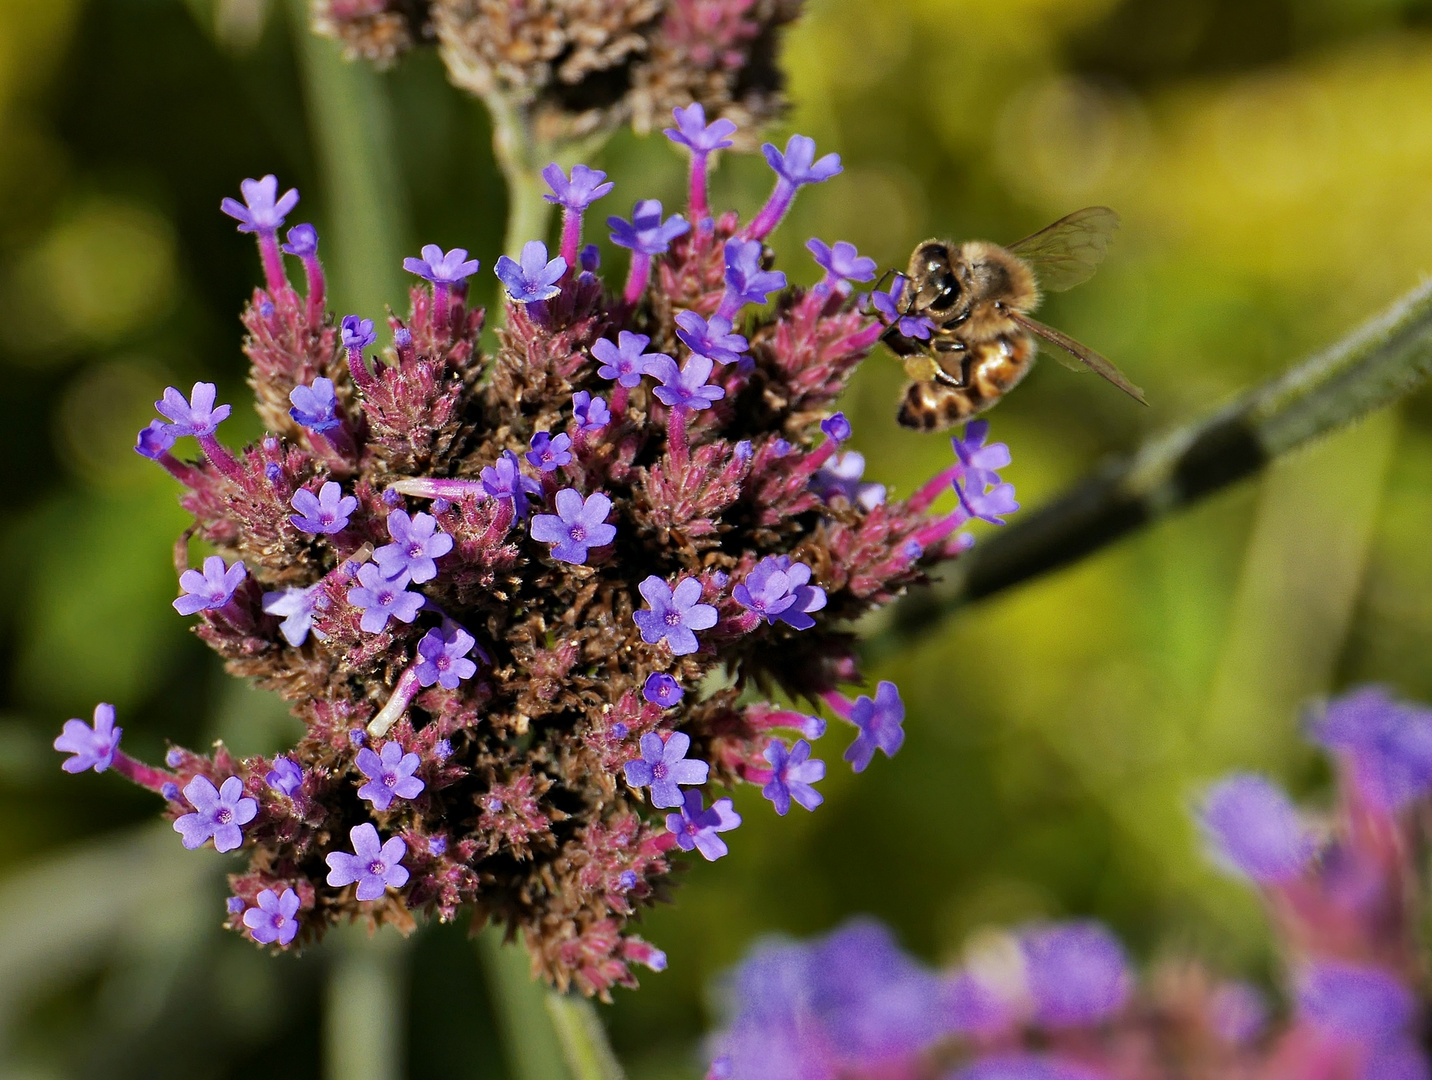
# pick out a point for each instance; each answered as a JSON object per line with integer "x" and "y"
{"x": 529, "y": 627}
{"x": 1255, "y": 830}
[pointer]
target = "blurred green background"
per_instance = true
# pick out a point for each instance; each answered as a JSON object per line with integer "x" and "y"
{"x": 1273, "y": 163}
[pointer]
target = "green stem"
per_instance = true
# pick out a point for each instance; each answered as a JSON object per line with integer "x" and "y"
{"x": 363, "y": 1008}
{"x": 528, "y": 1036}
{"x": 584, "y": 1039}
{"x": 1375, "y": 365}
{"x": 519, "y": 155}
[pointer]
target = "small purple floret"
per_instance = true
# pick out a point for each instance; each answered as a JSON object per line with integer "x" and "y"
{"x": 710, "y": 338}
{"x": 155, "y": 440}
{"x": 373, "y": 866}
{"x": 532, "y": 276}
{"x": 442, "y": 268}
{"x": 697, "y": 828}
{"x": 991, "y": 505}
{"x": 792, "y": 774}
{"x": 590, "y": 413}
{"x": 274, "y": 918}
{"x": 263, "y": 209}
{"x": 887, "y": 305}
{"x": 686, "y": 387}
{"x": 316, "y": 406}
{"x": 836, "y": 428}
{"x": 842, "y": 261}
{"x": 285, "y": 777}
{"x": 194, "y": 415}
{"x": 443, "y": 657}
{"x": 1255, "y": 831}
{"x": 1075, "y": 972}
{"x": 746, "y": 279}
{"x": 549, "y": 452}
{"x": 673, "y": 614}
{"x": 661, "y": 689}
{"x": 218, "y": 813}
{"x": 355, "y": 333}
{"x": 297, "y": 607}
{"x": 981, "y": 463}
{"x": 879, "y": 723}
{"x": 326, "y": 512}
{"x": 91, "y": 746}
{"x": 390, "y": 775}
{"x": 1358, "y": 1002}
{"x": 693, "y": 132}
{"x": 503, "y": 479}
{"x": 646, "y": 232}
{"x": 417, "y": 545}
{"x": 211, "y": 589}
{"x": 841, "y": 475}
{"x": 798, "y": 165}
{"x": 778, "y": 589}
{"x": 302, "y": 241}
{"x": 625, "y": 361}
{"x": 662, "y": 766}
{"x": 576, "y": 527}
{"x": 578, "y": 192}
{"x": 1387, "y": 743}
{"x": 379, "y": 598}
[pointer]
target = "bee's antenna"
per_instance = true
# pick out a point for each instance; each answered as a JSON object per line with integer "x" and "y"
{"x": 880, "y": 285}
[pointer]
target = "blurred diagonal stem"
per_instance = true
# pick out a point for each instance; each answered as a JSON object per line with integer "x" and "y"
{"x": 584, "y": 1040}
{"x": 1375, "y": 365}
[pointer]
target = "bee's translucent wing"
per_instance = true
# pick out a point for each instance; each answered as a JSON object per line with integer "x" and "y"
{"x": 1086, "y": 356}
{"x": 1068, "y": 252}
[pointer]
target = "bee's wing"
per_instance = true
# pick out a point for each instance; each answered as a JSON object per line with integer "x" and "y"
{"x": 1068, "y": 252}
{"x": 1085, "y": 355}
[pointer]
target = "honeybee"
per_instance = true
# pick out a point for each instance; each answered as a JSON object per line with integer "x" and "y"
{"x": 978, "y": 295}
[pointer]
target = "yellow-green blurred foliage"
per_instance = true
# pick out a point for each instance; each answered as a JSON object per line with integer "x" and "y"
{"x": 1272, "y": 160}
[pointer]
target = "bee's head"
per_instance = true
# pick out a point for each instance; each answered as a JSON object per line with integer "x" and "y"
{"x": 935, "y": 286}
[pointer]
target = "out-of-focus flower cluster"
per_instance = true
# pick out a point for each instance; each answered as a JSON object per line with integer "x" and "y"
{"x": 528, "y": 604}
{"x": 1059, "y": 1001}
{"x": 578, "y": 66}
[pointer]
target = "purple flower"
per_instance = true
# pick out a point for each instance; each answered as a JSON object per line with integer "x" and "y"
{"x": 590, "y": 259}
{"x": 887, "y": 304}
{"x": 625, "y": 361}
{"x": 1366, "y": 1004}
{"x": 316, "y": 406}
{"x": 777, "y": 589}
{"x": 296, "y": 606}
{"x": 503, "y": 479}
{"x": 982, "y": 463}
{"x": 273, "y": 920}
{"x": 1076, "y": 973}
{"x": 390, "y": 774}
{"x": 842, "y": 261}
{"x": 548, "y": 451}
{"x": 646, "y": 232}
{"x": 357, "y": 736}
{"x": 584, "y": 188}
{"x": 356, "y": 334}
{"x": 879, "y": 723}
{"x": 235, "y": 904}
{"x": 211, "y": 589}
{"x": 262, "y": 210}
{"x": 841, "y": 476}
{"x": 443, "y": 654}
{"x": 416, "y": 547}
{"x": 792, "y": 774}
{"x": 663, "y": 690}
{"x": 326, "y": 512}
{"x": 302, "y": 241}
{"x": 1388, "y": 743}
{"x": 576, "y": 526}
{"x": 379, "y": 597}
{"x": 1023, "y": 1066}
{"x": 195, "y": 415}
{"x": 712, "y": 339}
{"x": 694, "y": 133}
{"x": 218, "y": 813}
{"x": 746, "y": 279}
{"x": 673, "y": 614}
{"x": 590, "y": 413}
{"x": 374, "y": 868}
{"x": 155, "y": 440}
{"x": 533, "y": 276}
{"x": 685, "y": 388}
{"x": 836, "y": 428}
{"x": 285, "y": 777}
{"x": 697, "y": 828}
{"x": 450, "y": 268}
{"x": 798, "y": 165}
{"x": 91, "y": 747}
{"x": 662, "y": 767}
{"x": 1255, "y": 831}
{"x": 988, "y": 505}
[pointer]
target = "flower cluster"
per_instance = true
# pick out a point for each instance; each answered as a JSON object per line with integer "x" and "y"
{"x": 577, "y": 68}
{"x": 1058, "y": 1001}
{"x": 496, "y": 589}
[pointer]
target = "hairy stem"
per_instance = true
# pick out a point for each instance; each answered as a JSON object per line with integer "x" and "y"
{"x": 584, "y": 1039}
{"x": 1375, "y": 365}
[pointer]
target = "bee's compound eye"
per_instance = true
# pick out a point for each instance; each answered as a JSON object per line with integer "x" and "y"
{"x": 949, "y": 292}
